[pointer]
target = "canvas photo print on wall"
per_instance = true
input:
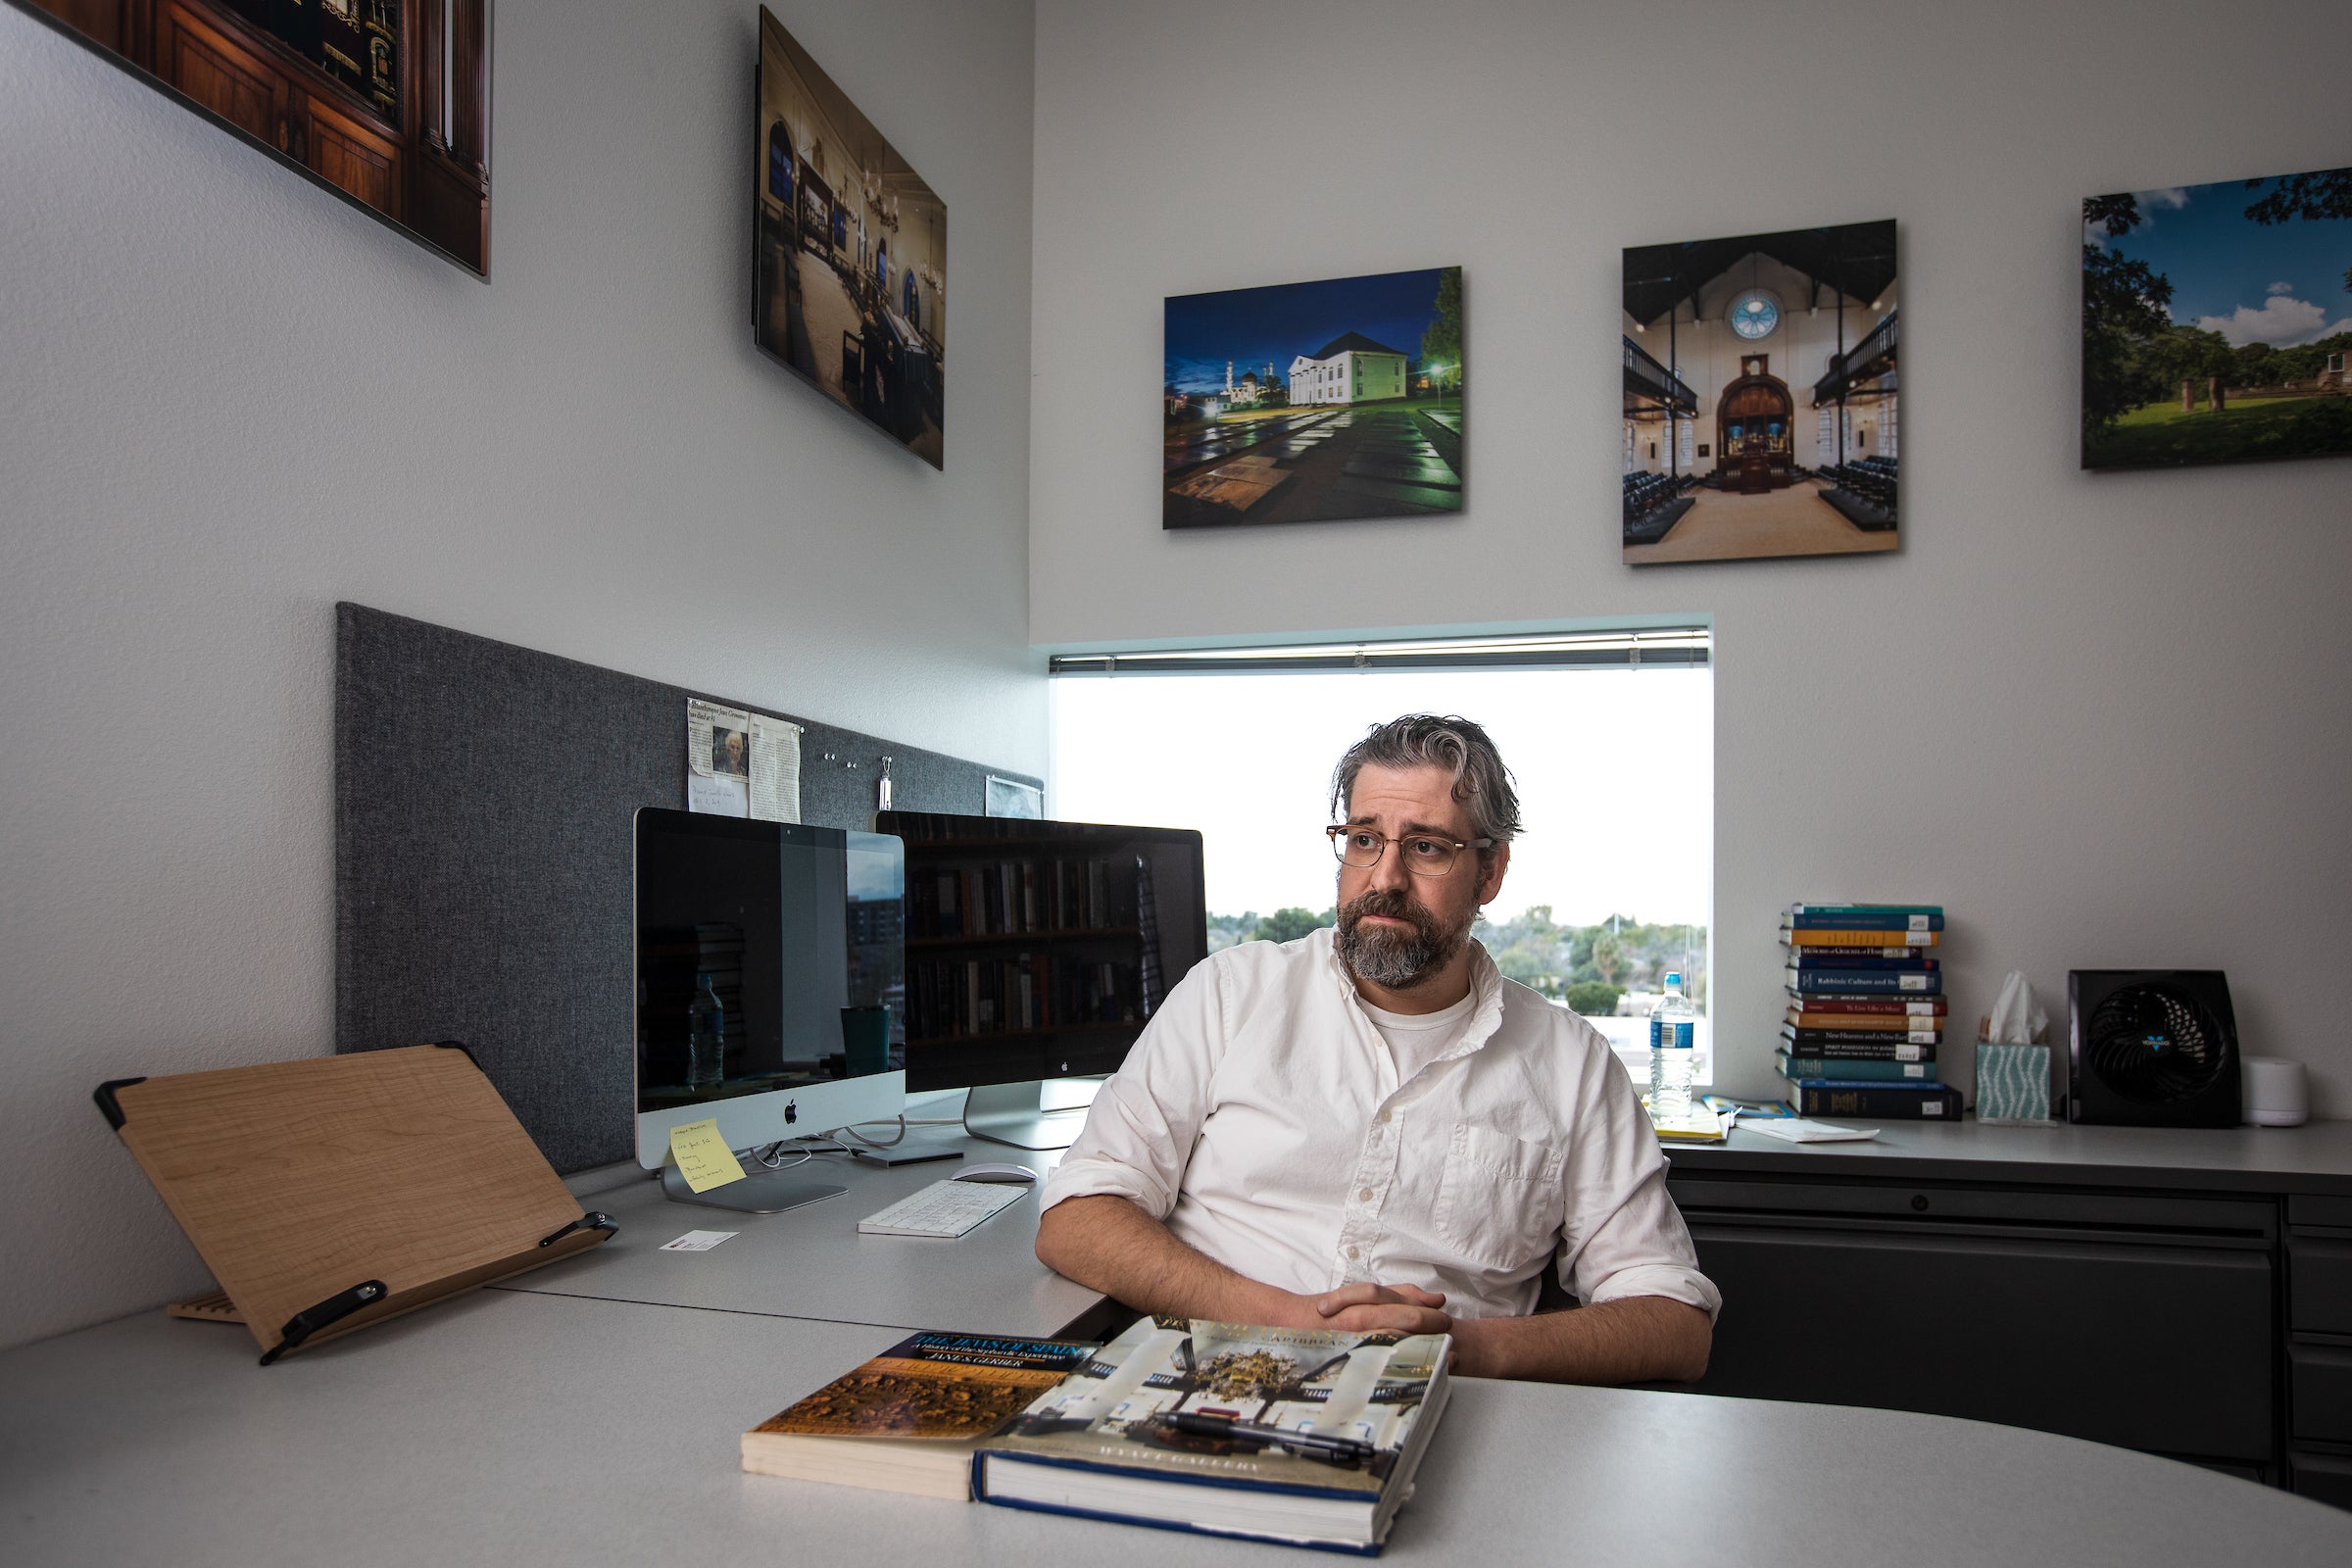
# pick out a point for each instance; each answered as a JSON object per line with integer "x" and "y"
{"x": 1760, "y": 396}
{"x": 1313, "y": 402}
{"x": 851, "y": 276}
{"x": 2216, "y": 320}
{"x": 385, "y": 102}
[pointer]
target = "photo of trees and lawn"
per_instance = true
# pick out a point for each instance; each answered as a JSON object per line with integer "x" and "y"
{"x": 2216, "y": 320}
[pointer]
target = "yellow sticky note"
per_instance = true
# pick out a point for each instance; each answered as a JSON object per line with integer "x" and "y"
{"x": 704, "y": 1157}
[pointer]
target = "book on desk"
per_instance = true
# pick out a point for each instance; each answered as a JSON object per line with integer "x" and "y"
{"x": 1309, "y": 1437}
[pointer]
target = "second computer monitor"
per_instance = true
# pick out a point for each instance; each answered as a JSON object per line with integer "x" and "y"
{"x": 1038, "y": 949}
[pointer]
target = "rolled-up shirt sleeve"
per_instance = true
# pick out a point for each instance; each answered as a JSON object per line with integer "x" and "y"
{"x": 1139, "y": 1136}
{"x": 1623, "y": 1236}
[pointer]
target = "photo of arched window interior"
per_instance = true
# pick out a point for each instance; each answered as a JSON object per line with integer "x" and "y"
{"x": 1760, "y": 407}
{"x": 851, "y": 285}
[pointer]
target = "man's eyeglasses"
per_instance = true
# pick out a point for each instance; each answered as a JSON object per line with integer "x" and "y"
{"x": 1425, "y": 854}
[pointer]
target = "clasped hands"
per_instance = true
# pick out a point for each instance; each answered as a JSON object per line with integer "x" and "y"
{"x": 1368, "y": 1308}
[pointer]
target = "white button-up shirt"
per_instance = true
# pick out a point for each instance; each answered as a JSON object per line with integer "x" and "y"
{"x": 1260, "y": 1118}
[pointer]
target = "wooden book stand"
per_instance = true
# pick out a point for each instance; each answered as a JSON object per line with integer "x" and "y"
{"x": 336, "y": 1191}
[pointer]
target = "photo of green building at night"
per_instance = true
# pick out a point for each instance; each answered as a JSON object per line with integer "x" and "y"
{"x": 1314, "y": 402}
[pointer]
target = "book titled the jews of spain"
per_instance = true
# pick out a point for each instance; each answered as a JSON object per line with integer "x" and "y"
{"x": 907, "y": 1420}
{"x": 1307, "y": 1436}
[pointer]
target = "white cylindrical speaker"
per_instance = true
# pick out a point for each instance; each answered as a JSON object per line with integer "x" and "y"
{"x": 2278, "y": 1094}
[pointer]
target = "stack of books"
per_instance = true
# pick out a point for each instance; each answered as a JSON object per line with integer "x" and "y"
{"x": 1308, "y": 1436}
{"x": 1866, "y": 1012}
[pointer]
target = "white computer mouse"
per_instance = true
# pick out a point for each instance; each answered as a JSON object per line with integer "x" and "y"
{"x": 995, "y": 1173}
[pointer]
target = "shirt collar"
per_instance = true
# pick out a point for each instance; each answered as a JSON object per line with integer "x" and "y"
{"x": 1485, "y": 984}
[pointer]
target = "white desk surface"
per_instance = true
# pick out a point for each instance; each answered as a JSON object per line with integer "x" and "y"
{"x": 2315, "y": 1157}
{"x": 523, "y": 1429}
{"x": 811, "y": 1262}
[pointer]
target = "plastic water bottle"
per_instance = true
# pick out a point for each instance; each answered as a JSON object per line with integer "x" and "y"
{"x": 706, "y": 1037}
{"x": 1673, "y": 1026}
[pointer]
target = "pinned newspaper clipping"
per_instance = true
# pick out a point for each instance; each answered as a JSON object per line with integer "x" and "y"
{"x": 741, "y": 763}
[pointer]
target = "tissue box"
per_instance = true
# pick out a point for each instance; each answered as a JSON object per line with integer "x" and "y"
{"x": 2013, "y": 1083}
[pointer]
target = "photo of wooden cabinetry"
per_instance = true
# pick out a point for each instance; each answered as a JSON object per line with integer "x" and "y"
{"x": 384, "y": 101}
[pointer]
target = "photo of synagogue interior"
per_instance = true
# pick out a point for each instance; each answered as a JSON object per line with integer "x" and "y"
{"x": 1760, "y": 404}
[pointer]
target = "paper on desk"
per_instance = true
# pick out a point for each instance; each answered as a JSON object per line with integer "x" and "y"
{"x": 697, "y": 1241}
{"x": 1798, "y": 1130}
{"x": 703, "y": 1155}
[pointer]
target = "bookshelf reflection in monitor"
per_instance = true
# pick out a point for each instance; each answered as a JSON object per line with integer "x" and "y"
{"x": 792, "y": 938}
{"x": 1038, "y": 949}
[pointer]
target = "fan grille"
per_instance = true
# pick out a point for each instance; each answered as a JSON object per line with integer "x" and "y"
{"x": 2155, "y": 1043}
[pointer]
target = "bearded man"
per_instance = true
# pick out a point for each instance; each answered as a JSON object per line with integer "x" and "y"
{"x": 1372, "y": 1129}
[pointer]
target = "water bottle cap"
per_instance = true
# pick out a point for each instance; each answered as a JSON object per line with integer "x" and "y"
{"x": 1674, "y": 977}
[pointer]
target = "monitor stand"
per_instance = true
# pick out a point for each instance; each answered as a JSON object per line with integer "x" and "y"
{"x": 1015, "y": 1114}
{"x": 760, "y": 1192}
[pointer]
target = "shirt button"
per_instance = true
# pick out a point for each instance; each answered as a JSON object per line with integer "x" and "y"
{"x": 1384, "y": 1115}
{"x": 1364, "y": 1195}
{"x": 1353, "y": 1251}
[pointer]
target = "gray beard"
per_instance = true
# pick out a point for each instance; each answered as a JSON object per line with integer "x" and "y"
{"x": 1392, "y": 960}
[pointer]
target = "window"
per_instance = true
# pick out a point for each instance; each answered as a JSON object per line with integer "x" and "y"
{"x": 1610, "y": 737}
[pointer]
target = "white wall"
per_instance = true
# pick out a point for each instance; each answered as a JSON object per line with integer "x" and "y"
{"x": 2102, "y": 717}
{"x": 227, "y": 400}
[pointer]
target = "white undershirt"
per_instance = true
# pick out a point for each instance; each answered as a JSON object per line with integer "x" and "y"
{"x": 1417, "y": 1039}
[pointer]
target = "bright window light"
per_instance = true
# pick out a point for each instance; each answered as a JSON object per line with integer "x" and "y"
{"x": 1610, "y": 883}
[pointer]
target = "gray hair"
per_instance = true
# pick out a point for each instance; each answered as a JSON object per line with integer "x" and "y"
{"x": 1480, "y": 783}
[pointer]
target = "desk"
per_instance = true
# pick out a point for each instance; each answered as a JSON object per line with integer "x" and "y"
{"x": 811, "y": 1262}
{"x": 2316, "y": 1158}
{"x": 523, "y": 1428}
{"x": 2186, "y": 1292}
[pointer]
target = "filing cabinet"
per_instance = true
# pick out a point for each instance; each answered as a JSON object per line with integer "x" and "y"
{"x": 2318, "y": 1346}
{"x": 2188, "y": 1293}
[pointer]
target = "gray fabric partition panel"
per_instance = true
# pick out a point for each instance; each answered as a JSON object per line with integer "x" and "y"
{"x": 484, "y": 796}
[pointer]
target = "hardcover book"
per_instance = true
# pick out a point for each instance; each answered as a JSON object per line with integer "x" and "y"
{"x": 1309, "y": 1437}
{"x": 1922, "y": 1031}
{"x": 1857, "y": 1047}
{"x": 1876, "y": 961}
{"x": 1864, "y": 916}
{"x": 1865, "y": 982}
{"x": 1890, "y": 1102}
{"x": 908, "y": 1419}
{"x": 1878, "y": 940}
{"x": 1850, "y": 1070}
{"x": 1881, "y": 1006}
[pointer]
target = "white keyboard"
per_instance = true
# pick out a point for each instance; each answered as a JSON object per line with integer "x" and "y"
{"x": 944, "y": 1208}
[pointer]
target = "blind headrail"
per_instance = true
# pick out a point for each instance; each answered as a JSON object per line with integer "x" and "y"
{"x": 1677, "y": 647}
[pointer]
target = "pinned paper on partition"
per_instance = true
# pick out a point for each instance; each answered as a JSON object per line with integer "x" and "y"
{"x": 702, "y": 1157}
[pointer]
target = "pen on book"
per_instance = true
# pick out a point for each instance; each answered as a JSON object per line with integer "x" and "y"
{"x": 1197, "y": 1425}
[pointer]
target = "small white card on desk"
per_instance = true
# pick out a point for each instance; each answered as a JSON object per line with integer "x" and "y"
{"x": 697, "y": 1241}
{"x": 1799, "y": 1130}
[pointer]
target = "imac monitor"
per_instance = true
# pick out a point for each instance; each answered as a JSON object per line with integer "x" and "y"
{"x": 769, "y": 987}
{"x": 1038, "y": 949}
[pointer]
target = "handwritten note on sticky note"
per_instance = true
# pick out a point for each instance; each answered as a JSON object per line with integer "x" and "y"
{"x": 704, "y": 1157}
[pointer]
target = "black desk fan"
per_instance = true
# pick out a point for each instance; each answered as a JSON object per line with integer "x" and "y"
{"x": 2152, "y": 1047}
